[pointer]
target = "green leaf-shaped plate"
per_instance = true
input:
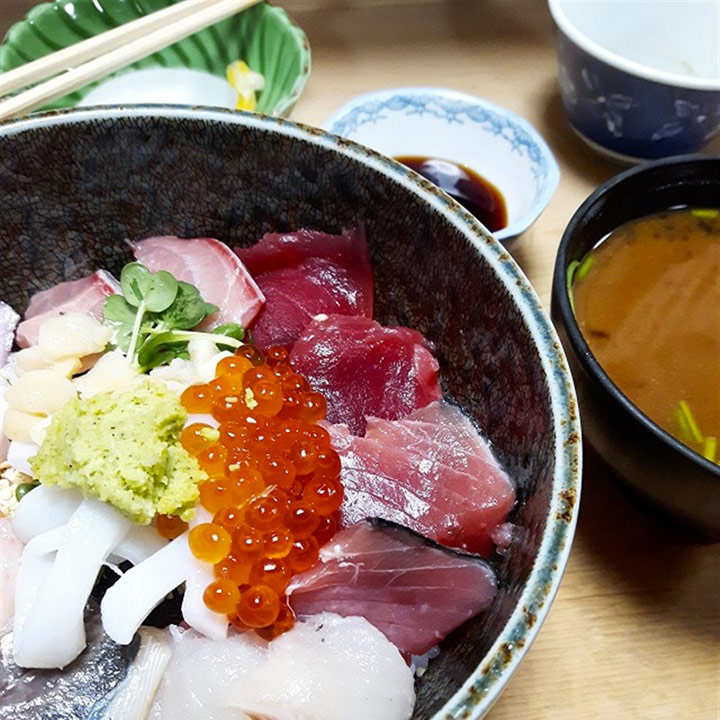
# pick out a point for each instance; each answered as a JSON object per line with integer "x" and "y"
{"x": 263, "y": 36}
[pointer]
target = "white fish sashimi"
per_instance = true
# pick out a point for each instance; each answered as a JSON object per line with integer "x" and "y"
{"x": 54, "y": 631}
{"x": 131, "y": 599}
{"x": 327, "y": 668}
{"x": 199, "y": 673}
{"x": 43, "y": 509}
{"x": 11, "y": 548}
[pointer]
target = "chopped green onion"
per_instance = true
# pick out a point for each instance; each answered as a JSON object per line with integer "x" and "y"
{"x": 710, "y": 448}
{"x": 705, "y": 214}
{"x": 584, "y": 267}
{"x": 684, "y": 427}
{"x": 695, "y": 433}
{"x": 569, "y": 276}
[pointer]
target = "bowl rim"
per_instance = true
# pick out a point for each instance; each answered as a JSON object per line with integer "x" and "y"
{"x": 484, "y": 684}
{"x": 553, "y": 170}
{"x": 631, "y": 67}
{"x": 584, "y": 354}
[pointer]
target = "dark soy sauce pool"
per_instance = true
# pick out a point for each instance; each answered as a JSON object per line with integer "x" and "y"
{"x": 471, "y": 190}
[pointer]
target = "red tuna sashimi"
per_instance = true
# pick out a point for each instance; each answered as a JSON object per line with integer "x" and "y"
{"x": 8, "y": 322}
{"x": 363, "y": 368}
{"x": 308, "y": 273}
{"x": 414, "y": 593}
{"x": 84, "y": 295}
{"x": 213, "y": 268}
{"x": 447, "y": 436}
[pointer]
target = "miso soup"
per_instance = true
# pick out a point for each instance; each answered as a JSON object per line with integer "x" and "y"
{"x": 647, "y": 299}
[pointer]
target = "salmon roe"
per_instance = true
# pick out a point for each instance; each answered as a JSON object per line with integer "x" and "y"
{"x": 274, "y": 485}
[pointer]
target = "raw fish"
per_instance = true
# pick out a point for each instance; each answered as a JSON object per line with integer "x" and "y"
{"x": 85, "y": 295}
{"x": 440, "y": 480}
{"x": 8, "y": 322}
{"x": 69, "y": 693}
{"x": 304, "y": 274}
{"x": 213, "y": 268}
{"x": 413, "y": 591}
{"x": 364, "y": 369}
{"x": 324, "y": 668}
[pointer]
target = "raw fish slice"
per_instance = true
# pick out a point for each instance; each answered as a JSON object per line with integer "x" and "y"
{"x": 326, "y": 668}
{"x": 448, "y": 506}
{"x": 295, "y": 295}
{"x": 443, "y": 443}
{"x": 201, "y": 671}
{"x": 364, "y": 369}
{"x": 133, "y": 697}
{"x": 85, "y": 295}
{"x": 415, "y": 593}
{"x": 68, "y": 693}
{"x": 213, "y": 268}
{"x": 307, "y": 273}
{"x": 8, "y": 322}
{"x": 279, "y": 250}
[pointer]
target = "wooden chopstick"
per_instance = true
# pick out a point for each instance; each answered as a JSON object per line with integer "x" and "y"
{"x": 130, "y": 44}
{"x": 74, "y": 55}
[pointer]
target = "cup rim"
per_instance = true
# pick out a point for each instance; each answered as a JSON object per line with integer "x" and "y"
{"x": 580, "y": 347}
{"x": 631, "y": 67}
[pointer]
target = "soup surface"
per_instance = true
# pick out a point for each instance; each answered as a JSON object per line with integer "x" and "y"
{"x": 647, "y": 299}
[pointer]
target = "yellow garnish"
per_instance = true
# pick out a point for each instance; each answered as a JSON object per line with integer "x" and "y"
{"x": 693, "y": 428}
{"x": 246, "y": 83}
{"x": 710, "y": 448}
{"x": 685, "y": 433}
{"x": 250, "y": 400}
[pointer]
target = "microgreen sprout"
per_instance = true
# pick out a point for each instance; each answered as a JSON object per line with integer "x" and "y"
{"x": 154, "y": 316}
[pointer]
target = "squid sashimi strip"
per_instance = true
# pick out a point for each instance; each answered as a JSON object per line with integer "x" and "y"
{"x": 43, "y": 509}
{"x": 200, "y": 574}
{"x": 138, "y": 545}
{"x": 54, "y": 631}
{"x": 131, "y": 599}
{"x": 35, "y": 565}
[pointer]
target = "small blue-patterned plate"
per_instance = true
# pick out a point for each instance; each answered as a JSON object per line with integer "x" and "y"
{"x": 434, "y": 122}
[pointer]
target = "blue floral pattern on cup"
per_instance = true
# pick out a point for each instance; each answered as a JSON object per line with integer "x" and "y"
{"x": 632, "y": 116}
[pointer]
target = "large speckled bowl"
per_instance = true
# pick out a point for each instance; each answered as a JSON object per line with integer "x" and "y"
{"x": 74, "y": 185}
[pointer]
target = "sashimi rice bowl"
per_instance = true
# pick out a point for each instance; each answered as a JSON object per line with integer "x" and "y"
{"x": 285, "y": 433}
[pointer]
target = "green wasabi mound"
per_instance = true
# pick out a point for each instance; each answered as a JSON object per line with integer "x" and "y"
{"x": 124, "y": 450}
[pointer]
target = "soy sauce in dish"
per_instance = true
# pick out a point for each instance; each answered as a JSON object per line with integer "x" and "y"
{"x": 473, "y": 191}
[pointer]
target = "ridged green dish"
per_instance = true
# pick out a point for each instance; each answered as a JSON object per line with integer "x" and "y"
{"x": 263, "y": 36}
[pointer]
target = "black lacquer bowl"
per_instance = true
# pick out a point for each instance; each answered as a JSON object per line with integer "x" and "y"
{"x": 75, "y": 185}
{"x": 664, "y": 471}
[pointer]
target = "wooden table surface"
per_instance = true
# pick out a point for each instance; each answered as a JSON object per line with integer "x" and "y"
{"x": 633, "y": 633}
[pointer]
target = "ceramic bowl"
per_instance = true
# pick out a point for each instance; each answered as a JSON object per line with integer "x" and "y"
{"x": 640, "y": 80}
{"x": 263, "y": 36}
{"x": 664, "y": 471}
{"x": 494, "y": 142}
{"x": 74, "y": 185}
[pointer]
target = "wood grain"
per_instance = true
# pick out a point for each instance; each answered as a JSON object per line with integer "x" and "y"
{"x": 633, "y": 633}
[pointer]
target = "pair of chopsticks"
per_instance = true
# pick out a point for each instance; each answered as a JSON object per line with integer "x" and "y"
{"x": 92, "y": 59}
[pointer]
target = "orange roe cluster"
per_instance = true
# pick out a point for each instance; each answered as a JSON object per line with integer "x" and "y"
{"x": 274, "y": 485}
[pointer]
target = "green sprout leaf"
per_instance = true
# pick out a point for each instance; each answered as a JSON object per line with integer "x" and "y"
{"x": 134, "y": 280}
{"x": 160, "y": 349}
{"x": 160, "y": 291}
